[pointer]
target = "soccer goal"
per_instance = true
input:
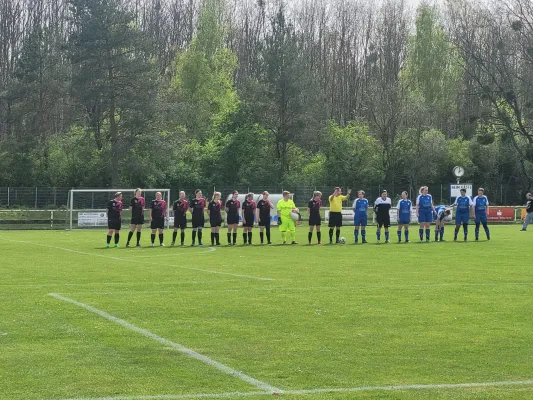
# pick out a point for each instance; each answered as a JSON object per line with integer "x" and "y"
{"x": 87, "y": 207}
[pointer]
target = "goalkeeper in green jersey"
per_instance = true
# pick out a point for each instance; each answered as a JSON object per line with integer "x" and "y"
{"x": 286, "y": 223}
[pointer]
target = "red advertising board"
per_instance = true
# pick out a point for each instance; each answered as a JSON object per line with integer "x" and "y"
{"x": 496, "y": 214}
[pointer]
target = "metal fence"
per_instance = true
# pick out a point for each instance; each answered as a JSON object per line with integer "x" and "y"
{"x": 54, "y": 198}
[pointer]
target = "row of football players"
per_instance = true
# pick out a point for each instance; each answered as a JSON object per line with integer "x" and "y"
{"x": 426, "y": 213}
{"x": 252, "y": 214}
{"x": 259, "y": 214}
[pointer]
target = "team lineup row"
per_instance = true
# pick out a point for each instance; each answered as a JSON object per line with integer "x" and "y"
{"x": 259, "y": 214}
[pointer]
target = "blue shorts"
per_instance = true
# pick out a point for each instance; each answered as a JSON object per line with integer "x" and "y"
{"x": 404, "y": 220}
{"x": 462, "y": 218}
{"x": 425, "y": 216}
{"x": 481, "y": 218}
{"x": 360, "y": 220}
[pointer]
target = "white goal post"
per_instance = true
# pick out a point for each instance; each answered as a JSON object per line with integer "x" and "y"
{"x": 87, "y": 207}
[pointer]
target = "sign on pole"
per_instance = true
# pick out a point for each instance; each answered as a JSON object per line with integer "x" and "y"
{"x": 455, "y": 189}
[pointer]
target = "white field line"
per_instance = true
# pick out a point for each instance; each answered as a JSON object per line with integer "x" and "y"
{"x": 315, "y": 391}
{"x": 178, "y": 347}
{"x": 138, "y": 261}
{"x": 303, "y": 289}
{"x": 176, "y": 283}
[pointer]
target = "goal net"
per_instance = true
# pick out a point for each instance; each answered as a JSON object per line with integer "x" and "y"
{"x": 87, "y": 207}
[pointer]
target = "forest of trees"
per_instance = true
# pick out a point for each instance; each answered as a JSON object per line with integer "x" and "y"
{"x": 170, "y": 93}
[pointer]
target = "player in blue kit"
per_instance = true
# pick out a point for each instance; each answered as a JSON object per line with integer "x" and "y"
{"x": 360, "y": 216}
{"x": 481, "y": 205}
{"x": 425, "y": 211}
{"x": 442, "y": 212}
{"x": 404, "y": 216}
{"x": 465, "y": 209}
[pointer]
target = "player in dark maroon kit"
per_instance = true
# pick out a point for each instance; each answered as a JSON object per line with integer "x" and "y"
{"x": 198, "y": 218}
{"x": 158, "y": 208}
{"x": 137, "y": 216}
{"x": 248, "y": 216}
{"x": 232, "y": 212}
{"x": 313, "y": 208}
{"x": 114, "y": 218}
{"x": 214, "y": 210}
{"x": 264, "y": 206}
{"x": 180, "y": 218}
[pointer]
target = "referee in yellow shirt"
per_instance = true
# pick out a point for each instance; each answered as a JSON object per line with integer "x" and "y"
{"x": 335, "y": 213}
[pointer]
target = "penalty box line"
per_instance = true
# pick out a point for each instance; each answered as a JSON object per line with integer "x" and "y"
{"x": 314, "y": 391}
{"x": 129, "y": 260}
{"x": 176, "y": 346}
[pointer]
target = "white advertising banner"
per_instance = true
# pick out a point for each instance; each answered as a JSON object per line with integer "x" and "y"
{"x": 455, "y": 190}
{"x": 92, "y": 219}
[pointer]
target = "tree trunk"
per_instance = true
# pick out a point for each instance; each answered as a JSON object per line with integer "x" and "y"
{"x": 113, "y": 127}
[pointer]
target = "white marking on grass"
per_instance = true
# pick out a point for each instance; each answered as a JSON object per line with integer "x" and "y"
{"x": 178, "y": 347}
{"x": 138, "y": 261}
{"x": 314, "y": 391}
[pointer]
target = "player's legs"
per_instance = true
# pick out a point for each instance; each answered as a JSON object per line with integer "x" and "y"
{"x": 174, "y": 234}
{"x": 356, "y": 224}
{"x": 194, "y": 233}
{"x": 527, "y": 220}
{"x": 139, "y": 229}
{"x": 110, "y": 233}
{"x": 318, "y": 234}
{"x": 267, "y": 231}
{"x": 283, "y": 227}
{"x": 484, "y": 221}
{"x": 310, "y": 234}
{"x": 378, "y": 231}
{"x": 399, "y": 232}
{"x": 161, "y": 236}
{"x": 250, "y": 233}
{"x": 262, "y": 233}
{"x": 437, "y": 229}
{"x": 245, "y": 234}
{"x": 130, "y": 234}
{"x": 230, "y": 229}
{"x": 292, "y": 231}
{"x": 364, "y": 224}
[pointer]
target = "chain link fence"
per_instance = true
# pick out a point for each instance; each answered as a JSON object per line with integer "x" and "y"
{"x": 54, "y": 198}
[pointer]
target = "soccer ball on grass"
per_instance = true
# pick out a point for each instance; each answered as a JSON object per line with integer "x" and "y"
{"x": 342, "y": 240}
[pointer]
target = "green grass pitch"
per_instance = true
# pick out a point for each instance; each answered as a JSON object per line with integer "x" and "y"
{"x": 361, "y": 322}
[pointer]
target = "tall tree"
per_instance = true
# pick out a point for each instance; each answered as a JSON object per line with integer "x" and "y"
{"x": 112, "y": 77}
{"x": 279, "y": 94}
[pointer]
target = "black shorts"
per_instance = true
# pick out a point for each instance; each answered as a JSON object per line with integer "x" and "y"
{"x": 249, "y": 221}
{"x": 335, "y": 219}
{"x": 315, "y": 220}
{"x": 114, "y": 224}
{"x": 198, "y": 221}
{"x": 215, "y": 222}
{"x": 139, "y": 220}
{"x": 233, "y": 219}
{"x": 264, "y": 221}
{"x": 180, "y": 223}
{"x": 384, "y": 222}
{"x": 158, "y": 223}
